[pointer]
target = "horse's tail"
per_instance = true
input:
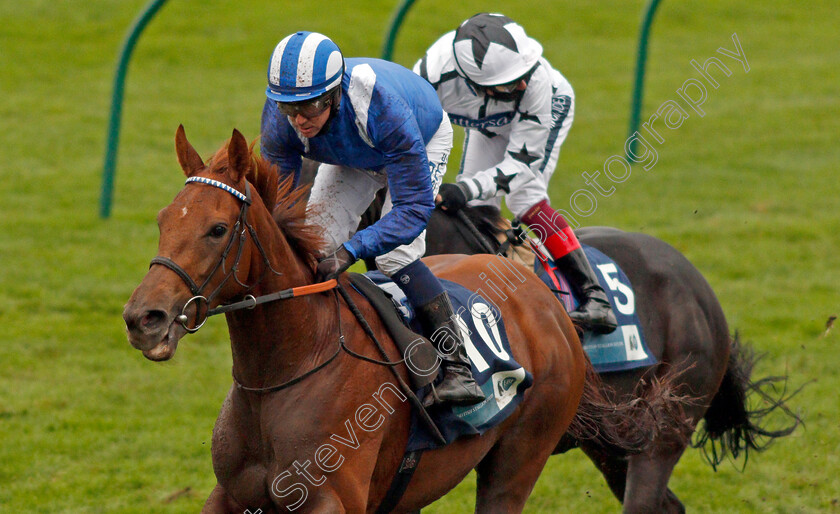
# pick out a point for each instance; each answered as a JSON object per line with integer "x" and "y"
{"x": 730, "y": 425}
{"x": 632, "y": 423}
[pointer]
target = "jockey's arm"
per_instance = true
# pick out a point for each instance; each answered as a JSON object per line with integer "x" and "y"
{"x": 528, "y": 139}
{"x": 410, "y": 186}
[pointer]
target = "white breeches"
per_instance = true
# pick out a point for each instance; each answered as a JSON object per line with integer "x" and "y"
{"x": 340, "y": 195}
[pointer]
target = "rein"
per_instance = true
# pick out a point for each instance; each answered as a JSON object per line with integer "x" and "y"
{"x": 342, "y": 344}
{"x": 299, "y": 378}
{"x": 479, "y": 237}
{"x": 293, "y": 292}
{"x": 514, "y": 236}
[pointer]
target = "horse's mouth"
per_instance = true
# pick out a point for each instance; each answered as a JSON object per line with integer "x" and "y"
{"x": 165, "y": 349}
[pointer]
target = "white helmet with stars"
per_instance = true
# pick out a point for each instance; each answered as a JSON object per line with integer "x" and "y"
{"x": 492, "y": 49}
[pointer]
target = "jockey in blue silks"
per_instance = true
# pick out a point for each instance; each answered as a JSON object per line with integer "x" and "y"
{"x": 371, "y": 123}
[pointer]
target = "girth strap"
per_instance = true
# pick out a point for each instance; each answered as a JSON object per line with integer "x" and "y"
{"x": 400, "y": 482}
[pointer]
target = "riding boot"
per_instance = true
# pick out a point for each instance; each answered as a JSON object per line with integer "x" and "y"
{"x": 458, "y": 386}
{"x": 594, "y": 312}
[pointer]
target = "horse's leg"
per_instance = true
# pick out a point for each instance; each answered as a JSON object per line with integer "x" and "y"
{"x": 612, "y": 467}
{"x": 647, "y": 482}
{"x": 327, "y": 500}
{"x": 618, "y": 387}
{"x": 508, "y": 472}
{"x": 507, "y": 475}
{"x": 220, "y": 501}
{"x": 648, "y": 474}
{"x": 641, "y": 482}
{"x": 671, "y": 503}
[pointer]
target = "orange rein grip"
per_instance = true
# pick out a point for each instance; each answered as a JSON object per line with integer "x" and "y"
{"x": 320, "y": 287}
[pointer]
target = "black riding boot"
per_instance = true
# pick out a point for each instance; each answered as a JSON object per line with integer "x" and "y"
{"x": 594, "y": 312}
{"x": 458, "y": 386}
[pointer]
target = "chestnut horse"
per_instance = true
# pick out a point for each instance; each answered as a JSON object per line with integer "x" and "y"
{"x": 686, "y": 330}
{"x": 219, "y": 243}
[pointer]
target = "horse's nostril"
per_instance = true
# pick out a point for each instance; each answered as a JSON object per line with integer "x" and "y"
{"x": 152, "y": 318}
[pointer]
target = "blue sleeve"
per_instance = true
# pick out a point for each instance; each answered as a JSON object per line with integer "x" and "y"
{"x": 410, "y": 185}
{"x": 276, "y": 143}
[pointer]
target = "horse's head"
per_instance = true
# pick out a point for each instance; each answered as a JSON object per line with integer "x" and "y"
{"x": 204, "y": 254}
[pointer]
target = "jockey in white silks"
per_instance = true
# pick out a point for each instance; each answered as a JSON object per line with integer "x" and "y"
{"x": 517, "y": 110}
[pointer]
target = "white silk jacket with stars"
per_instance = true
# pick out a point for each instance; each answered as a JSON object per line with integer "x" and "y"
{"x": 527, "y": 124}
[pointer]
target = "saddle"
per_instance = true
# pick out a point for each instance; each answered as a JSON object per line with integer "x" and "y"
{"x": 410, "y": 344}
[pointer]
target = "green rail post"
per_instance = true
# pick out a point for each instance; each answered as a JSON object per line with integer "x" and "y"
{"x": 116, "y": 104}
{"x": 394, "y": 28}
{"x": 641, "y": 60}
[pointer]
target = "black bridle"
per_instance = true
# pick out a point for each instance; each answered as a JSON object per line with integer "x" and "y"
{"x": 240, "y": 231}
{"x": 242, "y": 228}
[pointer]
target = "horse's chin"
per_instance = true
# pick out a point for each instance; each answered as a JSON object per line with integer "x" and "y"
{"x": 165, "y": 349}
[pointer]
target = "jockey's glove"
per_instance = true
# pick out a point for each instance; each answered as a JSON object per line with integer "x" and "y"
{"x": 334, "y": 264}
{"x": 454, "y": 197}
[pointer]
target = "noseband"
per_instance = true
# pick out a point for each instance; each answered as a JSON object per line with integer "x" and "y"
{"x": 240, "y": 228}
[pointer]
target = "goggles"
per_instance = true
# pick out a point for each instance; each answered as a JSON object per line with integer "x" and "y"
{"x": 507, "y": 88}
{"x": 308, "y": 108}
{"x": 510, "y": 87}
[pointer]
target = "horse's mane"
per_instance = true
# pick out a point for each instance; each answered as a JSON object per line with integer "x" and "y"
{"x": 488, "y": 219}
{"x": 286, "y": 202}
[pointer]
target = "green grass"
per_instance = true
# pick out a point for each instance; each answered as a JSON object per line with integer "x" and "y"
{"x": 747, "y": 192}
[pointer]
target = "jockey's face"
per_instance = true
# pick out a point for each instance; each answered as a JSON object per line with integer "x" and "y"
{"x": 516, "y": 85}
{"x": 309, "y": 127}
{"x": 308, "y": 117}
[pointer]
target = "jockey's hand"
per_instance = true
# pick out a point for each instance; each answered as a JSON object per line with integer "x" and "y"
{"x": 334, "y": 264}
{"x": 453, "y": 197}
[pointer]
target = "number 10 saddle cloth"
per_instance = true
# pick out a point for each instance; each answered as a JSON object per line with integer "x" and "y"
{"x": 500, "y": 377}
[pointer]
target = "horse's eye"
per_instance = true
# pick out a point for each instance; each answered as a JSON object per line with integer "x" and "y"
{"x": 218, "y": 231}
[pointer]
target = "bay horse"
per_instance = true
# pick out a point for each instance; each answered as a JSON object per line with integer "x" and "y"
{"x": 686, "y": 330}
{"x": 305, "y": 375}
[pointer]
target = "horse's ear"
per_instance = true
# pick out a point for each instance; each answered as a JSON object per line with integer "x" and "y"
{"x": 189, "y": 159}
{"x": 239, "y": 155}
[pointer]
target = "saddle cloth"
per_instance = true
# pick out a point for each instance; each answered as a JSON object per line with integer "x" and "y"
{"x": 500, "y": 377}
{"x": 624, "y": 348}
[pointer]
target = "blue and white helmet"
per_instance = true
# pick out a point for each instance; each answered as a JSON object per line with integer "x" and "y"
{"x": 492, "y": 49}
{"x": 303, "y": 66}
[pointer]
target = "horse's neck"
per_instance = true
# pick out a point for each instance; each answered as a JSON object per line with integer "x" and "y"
{"x": 278, "y": 340}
